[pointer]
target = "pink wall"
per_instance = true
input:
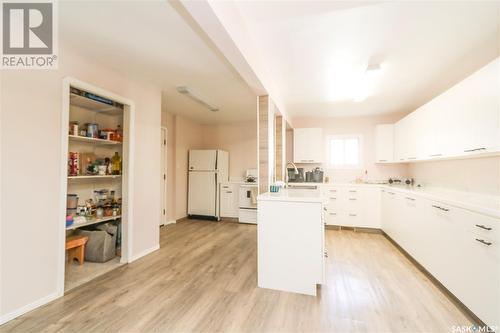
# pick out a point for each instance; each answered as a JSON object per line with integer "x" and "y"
{"x": 168, "y": 121}
{"x": 31, "y": 103}
{"x": 364, "y": 126}
{"x": 239, "y": 139}
{"x": 184, "y": 134}
{"x": 481, "y": 175}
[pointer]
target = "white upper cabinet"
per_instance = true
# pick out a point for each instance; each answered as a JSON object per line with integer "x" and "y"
{"x": 463, "y": 120}
{"x": 308, "y": 145}
{"x": 384, "y": 143}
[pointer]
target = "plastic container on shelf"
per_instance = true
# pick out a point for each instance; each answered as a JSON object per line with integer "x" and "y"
{"x": 71, "y": 201}
{"x": 118, "y": 135}
{"x": 92, "y": 130}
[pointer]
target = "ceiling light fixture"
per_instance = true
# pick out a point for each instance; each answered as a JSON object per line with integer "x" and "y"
{"x": 185, "y": 91}
{"x": 367, "y": 84}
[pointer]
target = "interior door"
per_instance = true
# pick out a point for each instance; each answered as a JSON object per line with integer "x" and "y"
{"x": 164, "y": 176}
{"x": 202, "y": 193}
{"x": 202, "y": 160}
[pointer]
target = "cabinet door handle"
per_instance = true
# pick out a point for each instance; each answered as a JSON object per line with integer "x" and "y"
{"x": 475, "y": 149}
{"x": 333, "y": 190}
{"x": 441, "y": 208}
{"x": 352, "y": 199}
{"x": 229, "y": 191}
{"x": 412, "y": 199}
{"x": 225, "y": 186}
{"x": 391, "y": 193}
{"x": 436, "y": 155}
{"x": 483, "y": 227}
{"x": 333, "y": 198}
{"x": 353, "y": 215}
{"x": 484, "y": 242}
{"x": 353, "y": 191}
{"x": 333, "y": 213}
{"x": 412, "y": 158}
{"x": 382, "y": 160}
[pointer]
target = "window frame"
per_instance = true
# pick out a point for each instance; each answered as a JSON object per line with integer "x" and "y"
{"x": 331, "y": 137}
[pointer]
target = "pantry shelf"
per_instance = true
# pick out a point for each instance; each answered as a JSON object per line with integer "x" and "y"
{"x": 94, "y": 177}
{"x": 93, "y": 221}
{"x": 96, "y": 106}
{"x": 93, "y": 140}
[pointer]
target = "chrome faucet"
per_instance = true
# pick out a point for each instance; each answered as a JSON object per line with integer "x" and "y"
{"x": 286, "y": 172}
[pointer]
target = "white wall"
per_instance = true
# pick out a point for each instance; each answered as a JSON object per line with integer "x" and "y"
{"x": 31, "y": 103}
{"x": 479, "y": 175}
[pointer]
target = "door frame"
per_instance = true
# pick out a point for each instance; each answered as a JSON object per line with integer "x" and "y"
{"x": 127, "y": 177}
{"x": 164, "y": 175}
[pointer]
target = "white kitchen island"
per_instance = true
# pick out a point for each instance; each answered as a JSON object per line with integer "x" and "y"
{"x": 290, "y": 240}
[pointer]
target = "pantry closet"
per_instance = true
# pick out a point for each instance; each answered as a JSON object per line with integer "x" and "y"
{"x": 96, "y": 150}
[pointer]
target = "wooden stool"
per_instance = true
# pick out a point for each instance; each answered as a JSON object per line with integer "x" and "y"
{"x": 76, "y": 248}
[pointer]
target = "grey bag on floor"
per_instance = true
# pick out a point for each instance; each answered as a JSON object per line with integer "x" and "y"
{"x": 101, "y": 245}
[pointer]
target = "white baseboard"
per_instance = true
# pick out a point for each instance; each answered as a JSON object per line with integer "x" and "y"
{"x": 28, "y": 307}
{"x": 144, "y": 253}
{"x": 170, "y": 222}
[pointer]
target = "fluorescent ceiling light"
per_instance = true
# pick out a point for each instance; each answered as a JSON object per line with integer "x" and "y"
{"x": 185, "y": 91}
{"x": 368, "y": 82}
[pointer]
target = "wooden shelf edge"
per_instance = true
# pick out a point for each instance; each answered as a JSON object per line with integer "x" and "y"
{"x": 93, "y": 140}
{"x": 95, "y": 221}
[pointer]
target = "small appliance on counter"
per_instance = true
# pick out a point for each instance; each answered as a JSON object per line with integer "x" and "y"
{"x": 317, "y": 175}
{"x": 251, "y": 176}
{"x": 314, "y": 176}
{"x": 406, "y": 181}
{"x": 394, "y": 181}
{"x": 295, "y": 177}
{"x": 409, "y": 181}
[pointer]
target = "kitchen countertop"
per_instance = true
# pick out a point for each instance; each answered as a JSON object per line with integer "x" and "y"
{"x": 477, "y": 202}
{"x": 293, "y": 196}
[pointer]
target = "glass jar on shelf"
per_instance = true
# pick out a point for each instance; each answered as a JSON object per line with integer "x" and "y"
{"x": 116, "y": 164}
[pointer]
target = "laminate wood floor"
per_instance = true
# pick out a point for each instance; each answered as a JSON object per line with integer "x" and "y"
{"x": 204, "y": 279}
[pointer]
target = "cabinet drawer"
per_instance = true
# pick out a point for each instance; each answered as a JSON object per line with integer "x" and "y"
{"x": 333, "y": 218}
{"x": 351, "y": 192}
{"x": 353, "y": 219}
{"x": 353, "y": 204}
{"x": 332, "y": 202}
{"x": 485, "y": 228}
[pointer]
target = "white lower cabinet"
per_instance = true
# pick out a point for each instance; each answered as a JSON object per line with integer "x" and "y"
{"x": 458, "y": 247}
{"x": 352, "y": 206}
{"x": 229, "y": 200}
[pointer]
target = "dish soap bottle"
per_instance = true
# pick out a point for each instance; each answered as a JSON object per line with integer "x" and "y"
{"x": 116, "y": 164}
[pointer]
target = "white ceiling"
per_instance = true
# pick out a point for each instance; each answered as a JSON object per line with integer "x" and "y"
{"x": 154, "y": 42}
{"x": 311, "y": 55}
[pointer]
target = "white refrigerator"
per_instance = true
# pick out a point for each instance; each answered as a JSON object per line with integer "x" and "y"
{"x": 206, "y": 170}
